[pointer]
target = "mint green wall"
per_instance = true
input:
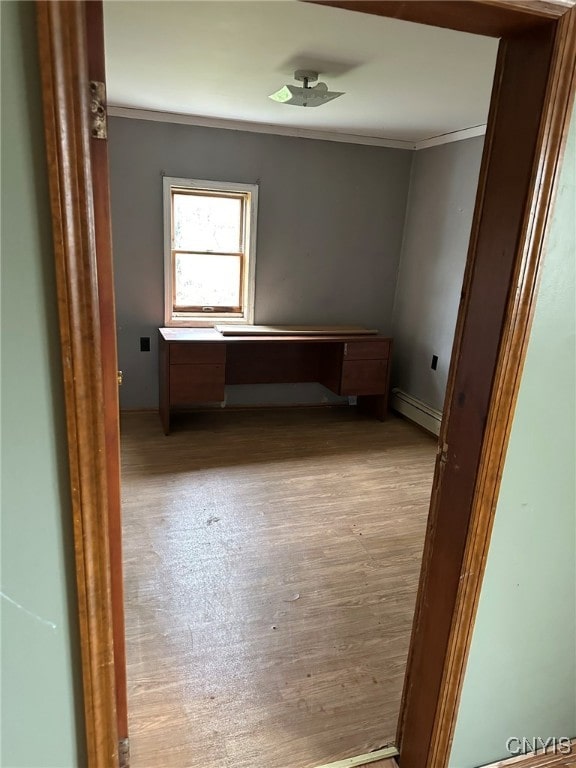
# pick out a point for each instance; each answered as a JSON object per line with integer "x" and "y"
{"x": 39, "y": 723}
{"x": 521, "y": 674}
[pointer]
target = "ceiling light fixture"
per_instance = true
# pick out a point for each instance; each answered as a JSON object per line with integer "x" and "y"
{"x": 306, "y": 95}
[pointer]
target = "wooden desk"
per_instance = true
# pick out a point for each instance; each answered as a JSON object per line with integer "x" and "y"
{"x": 196, "y": 364}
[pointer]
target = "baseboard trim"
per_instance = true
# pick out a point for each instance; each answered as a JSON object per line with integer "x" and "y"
{"x": 415, "y": 410}
{"x": 138, "y": 410}
{"x": 217, "y": 408}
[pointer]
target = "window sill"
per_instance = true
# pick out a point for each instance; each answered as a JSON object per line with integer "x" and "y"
{"x": 202, "y": 322}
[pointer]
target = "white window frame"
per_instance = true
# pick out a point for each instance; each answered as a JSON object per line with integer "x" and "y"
{"x": 197, "y": 318}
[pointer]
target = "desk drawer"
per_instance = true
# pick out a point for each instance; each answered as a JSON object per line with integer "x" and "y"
{"x": 364, "y": 377}
{"x": 367, "y": 350}
{"x": 197, "y": 354}
{"x": 196, "y": 384}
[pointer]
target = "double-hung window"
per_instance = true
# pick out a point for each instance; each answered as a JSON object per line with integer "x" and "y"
{"x": 210, "y": 236}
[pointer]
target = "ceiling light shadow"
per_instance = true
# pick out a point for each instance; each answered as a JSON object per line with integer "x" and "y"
{"x": 325, "y": 67}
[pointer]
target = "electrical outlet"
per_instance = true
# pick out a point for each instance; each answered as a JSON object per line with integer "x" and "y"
{"x": 434, "y": 362}
{"x": 144, "y": 343}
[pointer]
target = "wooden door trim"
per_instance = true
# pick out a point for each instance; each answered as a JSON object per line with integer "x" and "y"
{"x": 424, "y": 741}
{"x": 553, "y": 131}
{"x": 550, "y": 9}
{"x": 63, "y": 63}
{"x": 493, "y": 18}
{"x": 110, "y": 404}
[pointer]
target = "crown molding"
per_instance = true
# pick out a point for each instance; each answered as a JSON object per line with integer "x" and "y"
{"x": 448, "y": 138}
{"x": 284, "y": 130}
{"x": 243, "y": 125}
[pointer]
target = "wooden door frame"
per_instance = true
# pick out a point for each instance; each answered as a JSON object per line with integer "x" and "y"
{"x": 529, "y": 114}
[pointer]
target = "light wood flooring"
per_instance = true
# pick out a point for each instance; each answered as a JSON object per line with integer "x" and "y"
{"x": 542, "y": 759}
{"x": 271, "y": 564}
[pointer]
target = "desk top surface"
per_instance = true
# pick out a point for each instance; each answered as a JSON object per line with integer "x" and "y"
{"x": 212, "y": 335}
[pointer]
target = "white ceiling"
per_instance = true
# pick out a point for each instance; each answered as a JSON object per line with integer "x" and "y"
{"x": 218, "y": 59}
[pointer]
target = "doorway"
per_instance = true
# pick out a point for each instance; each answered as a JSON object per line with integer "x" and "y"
{"x": 356, "y": 574}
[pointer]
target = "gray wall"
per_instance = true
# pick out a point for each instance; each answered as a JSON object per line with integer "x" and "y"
{"x": 441, "y": 199}
{"x": 41, "y": 699}
{"x": 330, "y": 225}
{"x": 521, "y": 674}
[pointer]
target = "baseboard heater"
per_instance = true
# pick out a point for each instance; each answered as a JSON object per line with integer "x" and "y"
{"x": 417, "y": 411}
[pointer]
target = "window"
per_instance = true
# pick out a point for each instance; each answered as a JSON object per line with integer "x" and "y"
{"x": 210, "y": 236}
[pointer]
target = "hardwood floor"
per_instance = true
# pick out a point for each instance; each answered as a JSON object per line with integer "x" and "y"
{"x": 390, "y": 763}
{"x": 271, "y": 566}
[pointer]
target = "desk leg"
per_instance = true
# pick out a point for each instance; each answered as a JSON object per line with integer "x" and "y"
{"x": 165, "y": 417}
{"x": 373, "y": 405}
{"x": 164, "y": 386}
